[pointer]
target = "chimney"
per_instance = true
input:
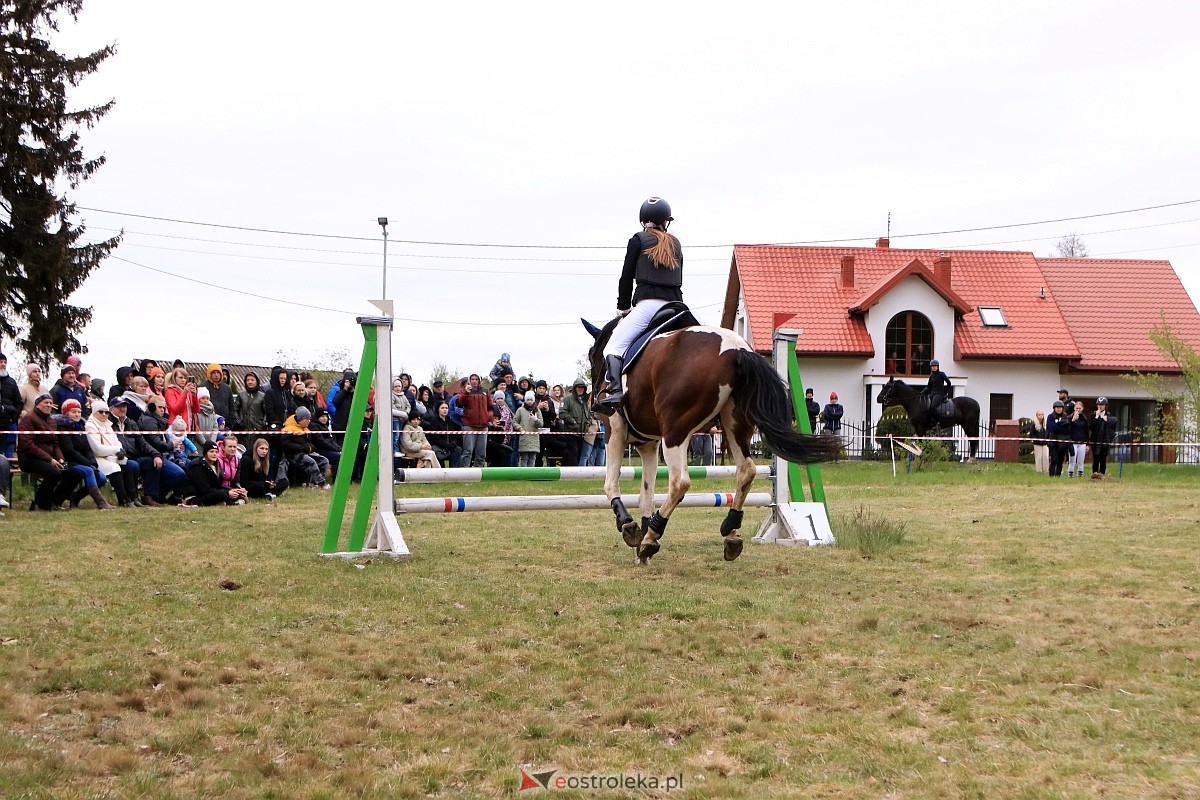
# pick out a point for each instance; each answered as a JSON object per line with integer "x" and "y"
{"x": 883, "y": 243}
{"x": 848, "y": 272}
{"x": 941, "y": 269}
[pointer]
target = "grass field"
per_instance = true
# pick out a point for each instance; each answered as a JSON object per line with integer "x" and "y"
{"x": 1024, "y": 638}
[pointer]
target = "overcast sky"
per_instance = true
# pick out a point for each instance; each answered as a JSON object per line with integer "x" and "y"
{"x": 547, "y": 124}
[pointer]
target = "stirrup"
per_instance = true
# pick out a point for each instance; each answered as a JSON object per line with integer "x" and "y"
{"x": 609, "y": 405}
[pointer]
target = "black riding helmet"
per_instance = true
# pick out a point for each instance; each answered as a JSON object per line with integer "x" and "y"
{"x": 656, "y": 210}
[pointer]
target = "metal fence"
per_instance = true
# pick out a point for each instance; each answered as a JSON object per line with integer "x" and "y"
{"x": 1130, "y": 446}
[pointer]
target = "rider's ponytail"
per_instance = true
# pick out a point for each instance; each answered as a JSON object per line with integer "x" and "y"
{"x": 666, "y": 250}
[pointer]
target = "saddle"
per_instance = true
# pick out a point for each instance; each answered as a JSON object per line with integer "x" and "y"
{"x": 945, "y": 412}
{"x": 671, "y": 317}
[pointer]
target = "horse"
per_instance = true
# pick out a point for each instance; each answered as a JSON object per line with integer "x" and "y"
{"x": 681, "y": 382}
{"x": 966, "y": 412}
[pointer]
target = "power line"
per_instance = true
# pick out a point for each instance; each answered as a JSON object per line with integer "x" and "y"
{"x": 454, "y": 322}
{"x": 605, "y": 247}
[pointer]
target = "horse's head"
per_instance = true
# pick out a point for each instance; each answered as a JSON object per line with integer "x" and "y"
{"x": 596, "y": 353}
{"x": 889, "y": 389}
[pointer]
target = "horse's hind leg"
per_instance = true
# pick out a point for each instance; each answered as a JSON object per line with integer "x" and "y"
{"x": 678, "y": 483}
{"x": 738, "y": 442}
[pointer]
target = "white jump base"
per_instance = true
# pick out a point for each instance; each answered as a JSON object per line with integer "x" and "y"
{"x": 565, "y": 502}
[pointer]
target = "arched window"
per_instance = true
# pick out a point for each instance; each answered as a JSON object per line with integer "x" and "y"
{"x": 908, "y": 344}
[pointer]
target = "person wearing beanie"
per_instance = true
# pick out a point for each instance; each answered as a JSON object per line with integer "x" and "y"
{"x": 832, "y": 415}
{"x": 11, "y": 405}
{"x": 39, "y": 454}
{"x": 68, "y": 387}
{"x": 206, "y": 418}
{"x": 219, "y": 391}
{"x": 415, "y": 445}
{"x": 33, "y": 387}
{"x": 322, "y": 440}
{"x": 298, "y": 450}
{"x": 77, "y": 451}
{"x": 528, "y": 421}
{"x": 814, "y": 409}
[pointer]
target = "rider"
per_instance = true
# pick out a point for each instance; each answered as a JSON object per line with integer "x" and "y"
{"x": 654, "y": 258}
{"x": 938, "y": 386}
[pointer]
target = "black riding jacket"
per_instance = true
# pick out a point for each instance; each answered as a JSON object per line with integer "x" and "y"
{"x": 653, "y": 282}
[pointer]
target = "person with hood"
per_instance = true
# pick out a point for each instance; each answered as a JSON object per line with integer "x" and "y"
{"x": 576, "y": 415}
{"x": 299, "y": 452}
{"x": 124, "y": 376}
{"x": 528, "y": 420}
{"x": 344, "y": 392}
{"x": 79, "y": 456}
{"x": 114, "y": 462}
{"x": 38, "y": 454}
{"x": 10, "y": 409}
{"x": 502, "y": 367}
{"x": 203, "y": 484}
{"x": 331, "y": 402}
{"x": 476, "y": 406}
{"x": 33, "y": 388}
{"x": 97, "y": 392}
{"x": 220, "y": 392}
{"x": 68, "y": 388}
{"x": 255, "y": 473}
{"x": 278, "y": 404}
{"x": 322, "y": 440}
{"x": 251, "y": 400}
{"x": 206, "y": 418}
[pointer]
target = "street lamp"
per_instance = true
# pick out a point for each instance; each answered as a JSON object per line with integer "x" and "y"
{"x": 383, "y": 224}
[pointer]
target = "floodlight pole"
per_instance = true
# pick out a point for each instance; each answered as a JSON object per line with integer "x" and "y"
{"x": 383, "y": 223}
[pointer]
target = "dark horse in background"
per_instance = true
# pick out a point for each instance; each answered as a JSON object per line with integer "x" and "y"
{"x": 924, "y": 419}
{"x": 682, "y": 381}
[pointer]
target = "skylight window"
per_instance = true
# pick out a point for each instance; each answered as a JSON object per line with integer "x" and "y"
{"x": 993, "y": 317}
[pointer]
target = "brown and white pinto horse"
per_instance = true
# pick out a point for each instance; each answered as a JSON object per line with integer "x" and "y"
{"x": 681, "y": 382}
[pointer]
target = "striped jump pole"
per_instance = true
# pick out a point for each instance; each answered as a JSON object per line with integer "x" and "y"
{"x": 567, "y": 502}
{"x": 490, "y": 474}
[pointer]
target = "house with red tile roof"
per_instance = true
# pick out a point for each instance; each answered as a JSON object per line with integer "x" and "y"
{"x": 1009, "y": 328}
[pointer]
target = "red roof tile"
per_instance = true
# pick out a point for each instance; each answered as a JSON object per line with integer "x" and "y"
{"x": 806, "y": 282}
{"x": 1111, "y": 306}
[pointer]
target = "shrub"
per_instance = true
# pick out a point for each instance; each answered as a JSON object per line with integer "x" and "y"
{"x": 894, "y": 422}
{"x": 869, "y": 533}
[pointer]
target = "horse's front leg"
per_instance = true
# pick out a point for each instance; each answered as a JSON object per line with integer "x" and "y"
{"x": 678, "y": 483}
{"x": 651, "y": 530}
{"x": 614, "y": 452}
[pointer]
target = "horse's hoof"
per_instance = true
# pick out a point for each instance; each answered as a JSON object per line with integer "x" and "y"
{"x": 648, "y": 549}
{"x": 733, "y": 547}
{"x": 631, "y": 533}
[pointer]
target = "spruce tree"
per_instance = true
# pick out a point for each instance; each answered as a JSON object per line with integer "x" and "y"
{"x": 42, "y": 259}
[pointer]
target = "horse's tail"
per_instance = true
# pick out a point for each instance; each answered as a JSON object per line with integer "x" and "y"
{"x": 761, "y": 395}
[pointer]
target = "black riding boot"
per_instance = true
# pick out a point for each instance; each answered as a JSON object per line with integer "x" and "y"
{"x": 613, "y": 394}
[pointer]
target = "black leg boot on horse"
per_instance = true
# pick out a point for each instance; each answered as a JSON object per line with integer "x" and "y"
{"x": 614, "y": 396}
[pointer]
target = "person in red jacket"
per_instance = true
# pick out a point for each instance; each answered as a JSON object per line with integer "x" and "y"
{"x": 476, "y": 405}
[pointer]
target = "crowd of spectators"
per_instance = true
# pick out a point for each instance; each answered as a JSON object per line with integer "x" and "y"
{"x": 157, "y": 436}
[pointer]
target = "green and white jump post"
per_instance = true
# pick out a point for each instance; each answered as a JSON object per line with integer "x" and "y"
{"x": 791, "y": 522}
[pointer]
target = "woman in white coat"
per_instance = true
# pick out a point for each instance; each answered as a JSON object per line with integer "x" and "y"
{"x": 120, "y": 471}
